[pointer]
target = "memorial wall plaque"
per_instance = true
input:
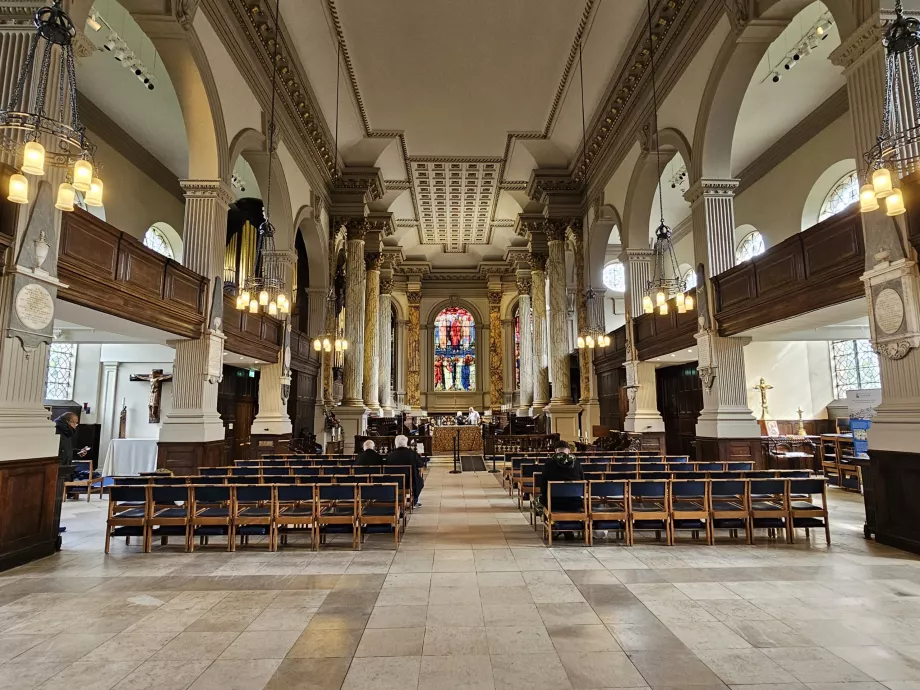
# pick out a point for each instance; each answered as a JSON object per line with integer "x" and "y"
{"x": 34, "y": 307}
{"x": 889, "y": 311}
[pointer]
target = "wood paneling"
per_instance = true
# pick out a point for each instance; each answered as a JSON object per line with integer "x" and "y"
{"x": 253, "y": 335}
{"x": 895, "y": 481}
{"x": 110, "y": 271}
{"x": 658, "y": 335}
{"x": 611, "y": 380}
{"x": 680, "y": 399}
{"x": 27, "y": 493}
{"x": 813, "y": 269}
{"x": 185, "y": 458}
{"x": 730, "y": 450}
{"x": 304, "y": 376}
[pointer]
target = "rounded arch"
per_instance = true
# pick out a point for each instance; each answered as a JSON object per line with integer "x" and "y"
{"x": 749, "y": 243}
{"x": 183, "y": 56}
{"x": 731, "y": 74}
{"x": 313, "y": 236}
{"x": 172, "y": 238}
{"x": 437, "y": 308}
{"x": 643, "y": 185}
{"x": 823, "y": 185}
{"x": 605, "y": 224}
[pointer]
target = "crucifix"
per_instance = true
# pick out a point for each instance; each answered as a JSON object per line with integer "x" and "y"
{"x": 801, "y": 430}
{"x": 763, "y": 387}
{"x": 155, "y": 378}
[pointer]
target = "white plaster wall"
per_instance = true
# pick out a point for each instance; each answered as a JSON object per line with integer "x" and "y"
{"x": 86, "y": 381}
{"x": 800, "y": 373}
{"x": 138, "y": 359}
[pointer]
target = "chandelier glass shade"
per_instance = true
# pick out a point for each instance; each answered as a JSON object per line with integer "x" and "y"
{"x": 334, "y": 341}
{"x": 593, "y": 334}
{"x": 897, "y": 148}
{"x": 48, "y": 112}
{"x": 665, "y": 282}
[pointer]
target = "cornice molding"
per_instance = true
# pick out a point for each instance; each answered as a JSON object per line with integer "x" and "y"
{"x": 858, "y": 44}
{"x": 586, "y": 15}
{"x": 809, "y": 127}
{"x": 710, "y": 188}
{"x": 105, "y": 129}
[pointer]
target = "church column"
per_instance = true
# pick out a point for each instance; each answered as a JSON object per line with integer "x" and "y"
{"x": 538, "y": 297}
{"x": 193, "y": 426}
{"x": 413, "y": 344}
{"x": 892, "y": 285}
{"x": 643, "y": 416}
{"x": 563, "y": 414}
{"x": 725, "y": 413}
{"x": 385, "y": 347}
{"x": 354, "y": 313}
{"x": 371, "y": 317}
{"x": 496, "y": 349}
{"x": 591, "y": 411}
{"x": 524, "y": 285}
{"x": 400, "y": 374}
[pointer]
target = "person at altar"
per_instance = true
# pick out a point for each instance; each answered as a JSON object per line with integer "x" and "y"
{"x": 465, "y": 372}
{"x": 438, "y": 373}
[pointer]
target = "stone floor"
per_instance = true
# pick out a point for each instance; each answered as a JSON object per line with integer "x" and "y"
{"x": 471, "y": 599}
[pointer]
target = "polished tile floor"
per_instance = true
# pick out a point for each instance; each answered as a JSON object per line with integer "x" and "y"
{"x": 471, "y": 599}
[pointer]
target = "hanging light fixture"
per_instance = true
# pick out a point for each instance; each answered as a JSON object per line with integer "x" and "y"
{"x": 896, "y": 148}
{"x": 665, "y": 281}
{"x": 264, "y": 289}
{"x": 24, "y": 122}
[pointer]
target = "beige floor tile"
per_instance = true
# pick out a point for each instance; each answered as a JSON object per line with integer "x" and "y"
{"x": 464, "y": 672}
{"x": 129, "y": 647}
{"x": 90, "y": 675}
{"x": 383, "y": 673}
{"x": 582, "y": 638}
{"x": 464, "y": 616}
{"x": 677, "y": 669}
{"x": 252, "y": 674}
{"x": 568, "y": 614}
{"x": 65, "y": 648}
{"x": 881, "y": 663}
{"x": 391, "y": 642}
{"x": 511, "y": 614}
{"x": 163, "y": 675}
{"x": 529, "y": 672}
{"x": 194, "y": 646}
{"x": 327, "y": 643}
{"x": 282, "y": 619}
{"x": 455, "y": 641}
{"x": 261, "y": 644}
{"x": 815, "y": 665}
{"x": 600, "y": 670}
{"x": 520, "y": 639}
{"x": 25, "y": 675}
{"x": 398, "y": 617}
{"x": 743, "y": 666}
{"x": 309, "y": 674}
{"x": 708, "y": 636}
{"x": 12, "y": 646}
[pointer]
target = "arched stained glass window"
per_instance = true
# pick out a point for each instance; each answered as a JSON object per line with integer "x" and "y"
{"x": 843, "y": 194}
{"x": 455, "y": 350}
{"x": 615, "y": 277}
{"x": 749, "y": 247}
{"x": 156, "y": 240}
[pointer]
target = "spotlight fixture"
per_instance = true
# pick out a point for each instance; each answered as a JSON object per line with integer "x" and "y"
{"x": 111, "y": 42}
{"x": 93, "y": 22}
{"x": 789, "y": 64}
{"x": 824, "y": 28}
{"x": 775, "y": 77}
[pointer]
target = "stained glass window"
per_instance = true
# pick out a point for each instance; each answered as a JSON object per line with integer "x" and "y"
{"x": 689, "y": 279}
{"x": 749, "y": 247}
{"x": 855, "y": 366}
{"x": 62, "y": 358}
{"x": 615, "y": 277}
{"x": 156, "y": 240}
{"x": 843, "y": 194}
{"x": 517, "y": 349}
{"x": 454, "y": 350}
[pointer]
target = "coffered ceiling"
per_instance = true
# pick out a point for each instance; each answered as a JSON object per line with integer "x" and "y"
{"x": 457, "y": 102}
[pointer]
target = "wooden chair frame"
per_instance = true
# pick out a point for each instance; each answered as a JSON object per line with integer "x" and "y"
{"x": 601, "y": 508}
{"x": 650, "y": 508}
{"x": 690, "y": 507}
{"x": 551, "y": 517}
{"x": 168, "y": 514}
{"x": 125, "y": 514}
{"x": 260, "y": 512}
{"x": 85, "y": 483}
{"x": 375, "y": 517}
{"x": 807, "y": 509}
{"x": 294, "y": 515}
{"x": 211, "y": 513}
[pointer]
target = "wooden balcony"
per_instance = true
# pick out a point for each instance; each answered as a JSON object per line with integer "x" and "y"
{"x": 253, "y": 335}
{"x": 658, "y": 334}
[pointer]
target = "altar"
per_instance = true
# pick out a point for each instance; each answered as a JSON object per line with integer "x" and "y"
{"x": 130, "y": 456}
{"x": 443, "y": 438}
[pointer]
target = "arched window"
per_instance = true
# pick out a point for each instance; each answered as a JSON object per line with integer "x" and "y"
{"x": 689, "y": 279}
{"x": 855, "y": 366}
{"x": 156, "y": 240}
{"x": 62, "y": 360}
{"x": 615, "y": 277}
{"x": 843, "y": 194}
{"x": 749, "y": 247}
{"x": 455, "y": 350}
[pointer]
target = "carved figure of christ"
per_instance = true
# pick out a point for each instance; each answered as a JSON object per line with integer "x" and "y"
{"x": 155, "y": 378}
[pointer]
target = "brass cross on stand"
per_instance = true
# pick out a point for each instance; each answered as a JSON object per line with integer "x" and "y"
{"x": 763, "y": 387}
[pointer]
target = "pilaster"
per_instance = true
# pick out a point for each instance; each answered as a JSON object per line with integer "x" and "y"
{"x": 385, "y": 340}
{"x": 713, "y": 212}
{"x": 538, "y": 297}
{"x": 413, "y": 345}
{"x": 496, "y": 350}
{"x": 637, "y": 265}
{"x": 555, "y": 269}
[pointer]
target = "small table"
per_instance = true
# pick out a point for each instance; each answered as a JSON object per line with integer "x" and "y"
{"x": 443, "y": 438}
{"x": 130, "y": 456}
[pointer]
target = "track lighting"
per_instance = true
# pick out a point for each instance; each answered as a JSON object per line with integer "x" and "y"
{"x": 94, "y": 22}
{"x": 775, "y": 77}
{"x": 789, "y": 64}
{"x": 111, "y": 42}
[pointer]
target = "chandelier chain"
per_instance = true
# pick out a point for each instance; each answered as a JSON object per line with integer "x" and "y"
{"x": 651, "y": 58}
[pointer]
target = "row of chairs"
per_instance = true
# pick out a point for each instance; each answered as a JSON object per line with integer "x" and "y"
{"x": 842, "y": 472}
{"x": 241, "y": 511}
{"x": 698, "y": 506}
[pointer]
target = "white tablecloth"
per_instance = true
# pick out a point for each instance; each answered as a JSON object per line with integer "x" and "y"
{"x": 130, "y": 456}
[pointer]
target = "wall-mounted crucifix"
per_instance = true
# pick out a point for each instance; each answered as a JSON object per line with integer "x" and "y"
{"x": 155, "y": 378}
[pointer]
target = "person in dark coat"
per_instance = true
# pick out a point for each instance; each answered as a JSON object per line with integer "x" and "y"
{"x": 65, "y": 426}
{"x": 561, "y": 466}
{"x": 403, "y": 455}
{"x": 369, "y": 455}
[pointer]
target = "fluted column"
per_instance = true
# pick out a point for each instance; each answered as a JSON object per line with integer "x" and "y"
{"x": 637, "y": 265}
{"x": 725, "y": 413}
{"x": 413, "y": 369}
{"x": 371, "y": 317}
{"x": 527, "y": 361}
{"x": 385, "y": 347}
{"x": 194, "y": 417}
{"x": 538, "y": 297}
{"x": 496, "y": 351}
{"x": 558, "y": 345}
{"x": 581, "y": 310}
{"x": 354, "y": 313}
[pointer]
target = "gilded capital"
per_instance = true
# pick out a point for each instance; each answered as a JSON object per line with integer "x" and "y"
{"x": 355, "y": 227}
{"x": 538, "y": 262}
{"x": 556, "y": 230}
{"x": 386, "y": 286}
{"x": 495, "y": 300}
{"x": 414, "y": 297}
{"x": 372, "y": 261}
{"x": 524, "y": 285}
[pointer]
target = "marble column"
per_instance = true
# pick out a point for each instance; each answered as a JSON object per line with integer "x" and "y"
{"x": 725, "y": 413}
{"x": 194, "y": 417}
{"x": 591, "y": 411}
{"x": 527, "y": 362}
{"x": 400, "y": 375}
{"x": 413, "y": 344}
{"x": 371, "y": 317}
{"x": 891, "y": 267}
{"x": 538, "y": 297}
{"x": 354, "y": 314}
{"x": 558, "y": 342}
{"x": 496, "y": 351}
{"x": 385, "y": 347}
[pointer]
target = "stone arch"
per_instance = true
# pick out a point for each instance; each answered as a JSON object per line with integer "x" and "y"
{"x": 436, "y": 309}
{"x": 172, "y": 237}
{"x": 643, "y": 185}
{"x": 173, "y": 34}
{"x": 604, "y": 224}
{"x": 317, "y": 250}
{"x": 731, "y": 74}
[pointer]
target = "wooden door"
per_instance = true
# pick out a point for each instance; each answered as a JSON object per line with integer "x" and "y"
{"x": 680, "y": 399}
{"x": 242, "y": 429}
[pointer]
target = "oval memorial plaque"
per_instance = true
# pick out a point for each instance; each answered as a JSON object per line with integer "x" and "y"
{"x": 34, "y": 307}
{"x": 889, "y": 311}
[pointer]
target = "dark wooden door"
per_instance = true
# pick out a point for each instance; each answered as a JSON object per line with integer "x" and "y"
{"x": 680, "y": 399}
{"x": 242, "y": 429}
{"x": 611, "y": 397}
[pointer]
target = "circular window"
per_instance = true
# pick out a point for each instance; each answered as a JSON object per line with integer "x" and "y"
{"x": 615, "y": 277}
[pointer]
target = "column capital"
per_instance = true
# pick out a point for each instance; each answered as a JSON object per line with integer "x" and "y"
{"x": 630, "y": 255}
{"x": 524, "y": 285}
{"x": 372, "y": 261}
{"x": 355, "y": 226}
{"x": 556, "y": 229}
{"x": 866, "y": 39}
{"x": 538, "y": 261}
{"x": 207, "y": 189}
{"x": 710, "y": 188}
{"x": 414, "y": 297}
{"x": 386, "y": 287}
{"x": 495, "y": 299}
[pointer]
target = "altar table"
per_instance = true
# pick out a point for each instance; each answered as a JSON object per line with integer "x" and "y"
{"x": 443, "y": 438}
{"x": 130, "y": 456}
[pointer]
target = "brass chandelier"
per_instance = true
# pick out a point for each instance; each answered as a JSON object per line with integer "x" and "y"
{"x": 897, "y": 147}
{"x": 335, "y": 340}
{"x": 24, "y": 122}
{"x": 594, "y": 334}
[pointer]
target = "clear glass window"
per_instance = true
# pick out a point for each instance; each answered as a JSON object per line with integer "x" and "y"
{"x": 843, "y": 194}
{"x": 156, "y": 240}
{"x": 615, "y": 277}
{"x": 62, "y": 359}
{"x": 855, "y": 366}
{"x": 749, "y": 247}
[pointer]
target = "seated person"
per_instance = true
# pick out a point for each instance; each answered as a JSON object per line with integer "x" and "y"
{"x": 403, "y": 455}
{"x": 560, "y": 467}
{"x": 369, "y": 455}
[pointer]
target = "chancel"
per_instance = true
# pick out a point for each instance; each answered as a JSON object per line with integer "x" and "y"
{"x": 623, "y": 294}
